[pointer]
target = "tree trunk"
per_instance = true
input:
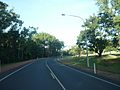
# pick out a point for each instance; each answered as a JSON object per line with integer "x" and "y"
{"x": 79, "y": 53}
{"x": 100, "y": 53}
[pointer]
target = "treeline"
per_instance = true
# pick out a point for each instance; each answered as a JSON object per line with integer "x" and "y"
{"x": 19, "y": 43}
{"x": 48, "y": 45}
{"x": 102, "y": 29}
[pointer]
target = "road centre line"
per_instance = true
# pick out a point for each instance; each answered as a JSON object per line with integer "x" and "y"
{"x": 92, "y": 76}
{"x": 14, "y": 72}
{"x": 52, "y": 73}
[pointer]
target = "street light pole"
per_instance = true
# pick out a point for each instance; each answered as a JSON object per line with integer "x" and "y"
{"x": 85, "y": 36}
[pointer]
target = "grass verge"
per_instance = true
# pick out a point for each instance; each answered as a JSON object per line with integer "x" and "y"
{"x": 108, "y": 65}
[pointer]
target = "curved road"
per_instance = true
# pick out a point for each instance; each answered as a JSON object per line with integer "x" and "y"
{"x": 47, "y": 74}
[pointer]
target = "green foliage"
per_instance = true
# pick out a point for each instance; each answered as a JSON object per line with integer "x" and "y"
{"x": 103, "y": 29}
{"x": 48, "y": 44}
{"x": 75, "y": 50}
{"x": 94, "y": 34}
{"x": 103, "y": 5}
{"x": 17, "y": 42}
{"x": 8, "y": 39}
{"x": 107, "y": 63}
{"x": 8, "y": 18}
{"x": 116, "y": 5}
{"x": 113, "y": 10}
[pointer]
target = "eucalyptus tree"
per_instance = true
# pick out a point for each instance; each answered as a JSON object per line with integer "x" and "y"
{"x": 10, "y": 25}
{"x": 16, "y": 43}
{"x": 112, "y": 8}
{"x": 26, "y": 44}
{"x": 75, "y": 51}
{"x": 49, "y": 45}
{"x": 103, "y": 28}
{"x": 96, "y": 37}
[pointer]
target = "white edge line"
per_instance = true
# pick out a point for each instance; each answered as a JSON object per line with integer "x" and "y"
{"x": 93, "y": 76}
{"x": 55, "y": 76}
{"x": 14, "y": 72}
{"x": 52, "y": 75}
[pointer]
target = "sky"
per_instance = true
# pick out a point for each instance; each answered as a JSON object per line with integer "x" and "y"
{"x": 46, "y": 15}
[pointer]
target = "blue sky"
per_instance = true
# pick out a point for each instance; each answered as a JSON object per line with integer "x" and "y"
{"x": 46, "y": 14}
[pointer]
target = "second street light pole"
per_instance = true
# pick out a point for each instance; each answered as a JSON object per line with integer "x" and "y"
{"x": 85, "y": 36}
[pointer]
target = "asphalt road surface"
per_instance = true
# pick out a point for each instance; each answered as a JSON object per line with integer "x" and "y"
{"x": 48, "y": 74}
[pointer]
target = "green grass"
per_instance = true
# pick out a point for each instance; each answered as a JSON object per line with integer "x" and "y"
{"x": 108, "y": 63}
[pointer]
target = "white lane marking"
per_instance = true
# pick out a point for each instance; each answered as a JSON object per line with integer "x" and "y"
{"x": 14, "y": 72}
{"x": 52, "y": 75}
{"x": 93, "y": 76}
{"x": 55, "y": 76}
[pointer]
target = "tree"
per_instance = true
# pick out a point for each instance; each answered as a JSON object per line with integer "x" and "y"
{"x": 96, "y": 38}
{"x": 16, "y": 43}
{"x": 75, "y": 50}
{"x": 103, "y": 29}
{"x": 112, "y": 7}
{"x": 26, "y": 44}
{"x": 9, "y": 33}
{"x": 49, "y": 45}
{"x": 8, "y": 18}
{"x": 109, "y": 5}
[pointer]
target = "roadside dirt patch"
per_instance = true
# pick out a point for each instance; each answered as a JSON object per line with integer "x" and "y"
{"x": 13, "y": 65}
{"x": 112, "y": 76}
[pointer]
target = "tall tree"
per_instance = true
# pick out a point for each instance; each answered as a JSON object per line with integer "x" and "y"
{"x": 112, "y": 8}
{"x": 9, "y": 33}
{"x": 75, "y": 50}
{"x": 26, "y": 44}
{"x": 96, "y": 37}
{"x": 50, "y": 46}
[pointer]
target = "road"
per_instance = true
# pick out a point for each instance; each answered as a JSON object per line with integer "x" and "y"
{"x": 48, "y": 74}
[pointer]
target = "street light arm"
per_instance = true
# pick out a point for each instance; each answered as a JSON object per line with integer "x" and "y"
{"x": 78, "y": 17}
{"x": 75, "y": 16}
{"x": 85, "y": 35}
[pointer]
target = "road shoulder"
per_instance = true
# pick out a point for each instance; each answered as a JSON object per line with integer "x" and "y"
{"x": 115, "y": 78}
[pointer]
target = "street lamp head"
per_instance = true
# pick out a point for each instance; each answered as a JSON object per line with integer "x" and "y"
{"x": 63, "y": 14}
